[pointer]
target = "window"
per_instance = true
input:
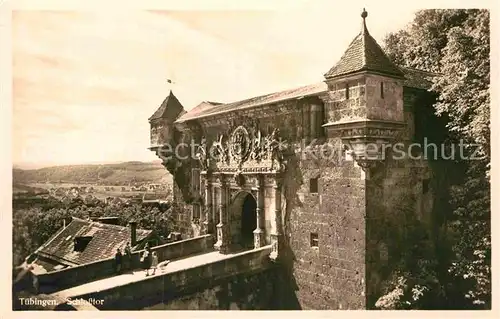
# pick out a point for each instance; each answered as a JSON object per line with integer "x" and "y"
{"x": 313, "y": 185}
{"x": 81, "y": 242}
{"x": 425, "y": 186}
{"x": 195, "y": 180}
{"x": 347, "y": 91}
{"x": 196, "y": 212}
{"x": 381, "y": 90}
{"x": 314, "y": 240}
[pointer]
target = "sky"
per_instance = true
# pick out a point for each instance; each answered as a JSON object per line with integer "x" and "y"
{"x": 85, "y": 82}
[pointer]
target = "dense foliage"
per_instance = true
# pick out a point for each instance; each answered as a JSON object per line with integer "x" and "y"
{"x": 456, "y": 45}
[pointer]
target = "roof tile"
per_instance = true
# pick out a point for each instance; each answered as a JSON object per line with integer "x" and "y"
{"x": 169, "y": 109}
{"x": 364, "y": 54}
{"x": 217, "y": 108}
{"x": 105, "y": 240}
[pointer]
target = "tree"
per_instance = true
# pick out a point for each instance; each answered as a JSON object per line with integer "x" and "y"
{"x": 33, "y": 226}
{"x": 456, "y": 44}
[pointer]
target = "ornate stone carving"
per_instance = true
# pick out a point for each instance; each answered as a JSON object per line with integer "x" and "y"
{"x": 201, "y": 154}
{"x": 239, "y": 145}
{"x": 255, "y": 152}
{"x": 275, "y": 247}
{"x": 233, "y": 192}
{"x": 258, "y": 238}
{"x": 219, "y": 150}
{"x": 274, "y": 150}
{"x": 239, "y": 179}
{"x": 247, "y": 151}
{"x": 367, "y": 164}
{"x": 207, "y": 222}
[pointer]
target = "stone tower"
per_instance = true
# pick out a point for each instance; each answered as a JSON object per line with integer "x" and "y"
{"x": 364, "y": 110}
{"x": 162, "y": 122}
{"x": 364, "y": 102}
{"x": 165, "y": 136}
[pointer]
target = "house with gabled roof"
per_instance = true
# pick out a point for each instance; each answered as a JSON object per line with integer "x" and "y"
{"x": 85, "y": 241}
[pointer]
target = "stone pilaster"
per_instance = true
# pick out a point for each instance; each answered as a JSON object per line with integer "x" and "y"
{"x": 222, "y": 244}
{"x": 258, "y": 233}
{"x": 315, "y": 121}
{"x": 277, "y": 230}
{"x": 208, "y": 216}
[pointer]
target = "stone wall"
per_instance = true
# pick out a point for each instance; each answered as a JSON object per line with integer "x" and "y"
{"x": 363, "y": 97}
{"x": 161, "y": 132}
{"x": 182, "y": 287}
{"x": 395, "y": 204}
{"x": 345, "y": 105}
{"x": 182, "y": 214}
{"x": 250, "y": 291}
{"x": 387, "y": 105}
{"x": 404, "y": 198}
{"x": 78, "y": 275}
{"x": 329, "y": 274}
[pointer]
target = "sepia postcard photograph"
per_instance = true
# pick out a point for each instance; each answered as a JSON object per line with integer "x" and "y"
{"x": 301, "y": 155}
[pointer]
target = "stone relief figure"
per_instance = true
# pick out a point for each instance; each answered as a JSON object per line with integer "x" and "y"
{"x": 201, "y": 153}
{"x": 256, "y": 151}
{"x": 218, "y": 151}
{"x": 273, "y": 148}
{"x": 239, "y": 178}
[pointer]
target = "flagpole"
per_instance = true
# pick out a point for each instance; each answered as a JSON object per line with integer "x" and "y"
{"x": 170, "y": 84}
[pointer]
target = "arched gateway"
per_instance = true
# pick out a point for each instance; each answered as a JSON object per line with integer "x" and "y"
{"x": 241, "y": 177}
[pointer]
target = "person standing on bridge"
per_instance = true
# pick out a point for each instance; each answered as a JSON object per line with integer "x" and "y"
{"x": 154, "y": 262}
{"x": 118, "y": 261}
{"x": 147, "y": 258}
{"x": 127, "y": 257}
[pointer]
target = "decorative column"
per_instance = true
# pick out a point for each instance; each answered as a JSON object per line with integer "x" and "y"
{"x": 314, "y": 122}
{"x": 258, "y": 233}
{"x": 222, "y": 244}
{"x": 207, "y": 222}
{"x": 214, "y": 212}
{"x": 277, "y": 232}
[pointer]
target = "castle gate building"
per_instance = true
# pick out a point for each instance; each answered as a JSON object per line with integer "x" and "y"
{"x": 311, "y": 171}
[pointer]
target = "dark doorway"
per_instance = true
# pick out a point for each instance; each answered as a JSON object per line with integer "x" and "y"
{"x": 248, "y": 221}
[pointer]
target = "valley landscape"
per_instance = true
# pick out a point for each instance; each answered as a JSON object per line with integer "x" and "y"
{"x": 45, "y": 198}
{"x": 123, "y": 180}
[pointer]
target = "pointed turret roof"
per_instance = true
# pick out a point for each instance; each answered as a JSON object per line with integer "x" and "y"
{"x": 364, "y": 54}
{"x": 169, "y": 109}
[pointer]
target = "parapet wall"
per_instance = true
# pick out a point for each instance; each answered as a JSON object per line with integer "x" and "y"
{"x": 65, "y": 278}
{"x": 160, "y": 291}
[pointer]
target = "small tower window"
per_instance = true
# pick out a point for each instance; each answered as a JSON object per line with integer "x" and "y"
{"x": 347, "y": 91}
{"x": 425, "y": 186}
{"x": 313, "y": 185}
{"x": 314, "y": 240}
{"x": 381, "y": 90}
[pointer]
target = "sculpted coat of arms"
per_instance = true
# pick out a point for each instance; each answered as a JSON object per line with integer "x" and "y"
{"x": 240, "y": 144}
{"x": 245, "y": 144}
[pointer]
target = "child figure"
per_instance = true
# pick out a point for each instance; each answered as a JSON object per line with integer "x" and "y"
{"x": 154, "y": 262}
{"x": 147, "y": 259}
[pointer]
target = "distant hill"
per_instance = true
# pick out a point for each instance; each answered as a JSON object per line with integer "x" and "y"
{"x": 111, "y": 174}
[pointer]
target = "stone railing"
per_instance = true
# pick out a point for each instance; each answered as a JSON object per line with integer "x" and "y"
{"x": 77, "y": 275}
{"x": 144, "y": 292}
